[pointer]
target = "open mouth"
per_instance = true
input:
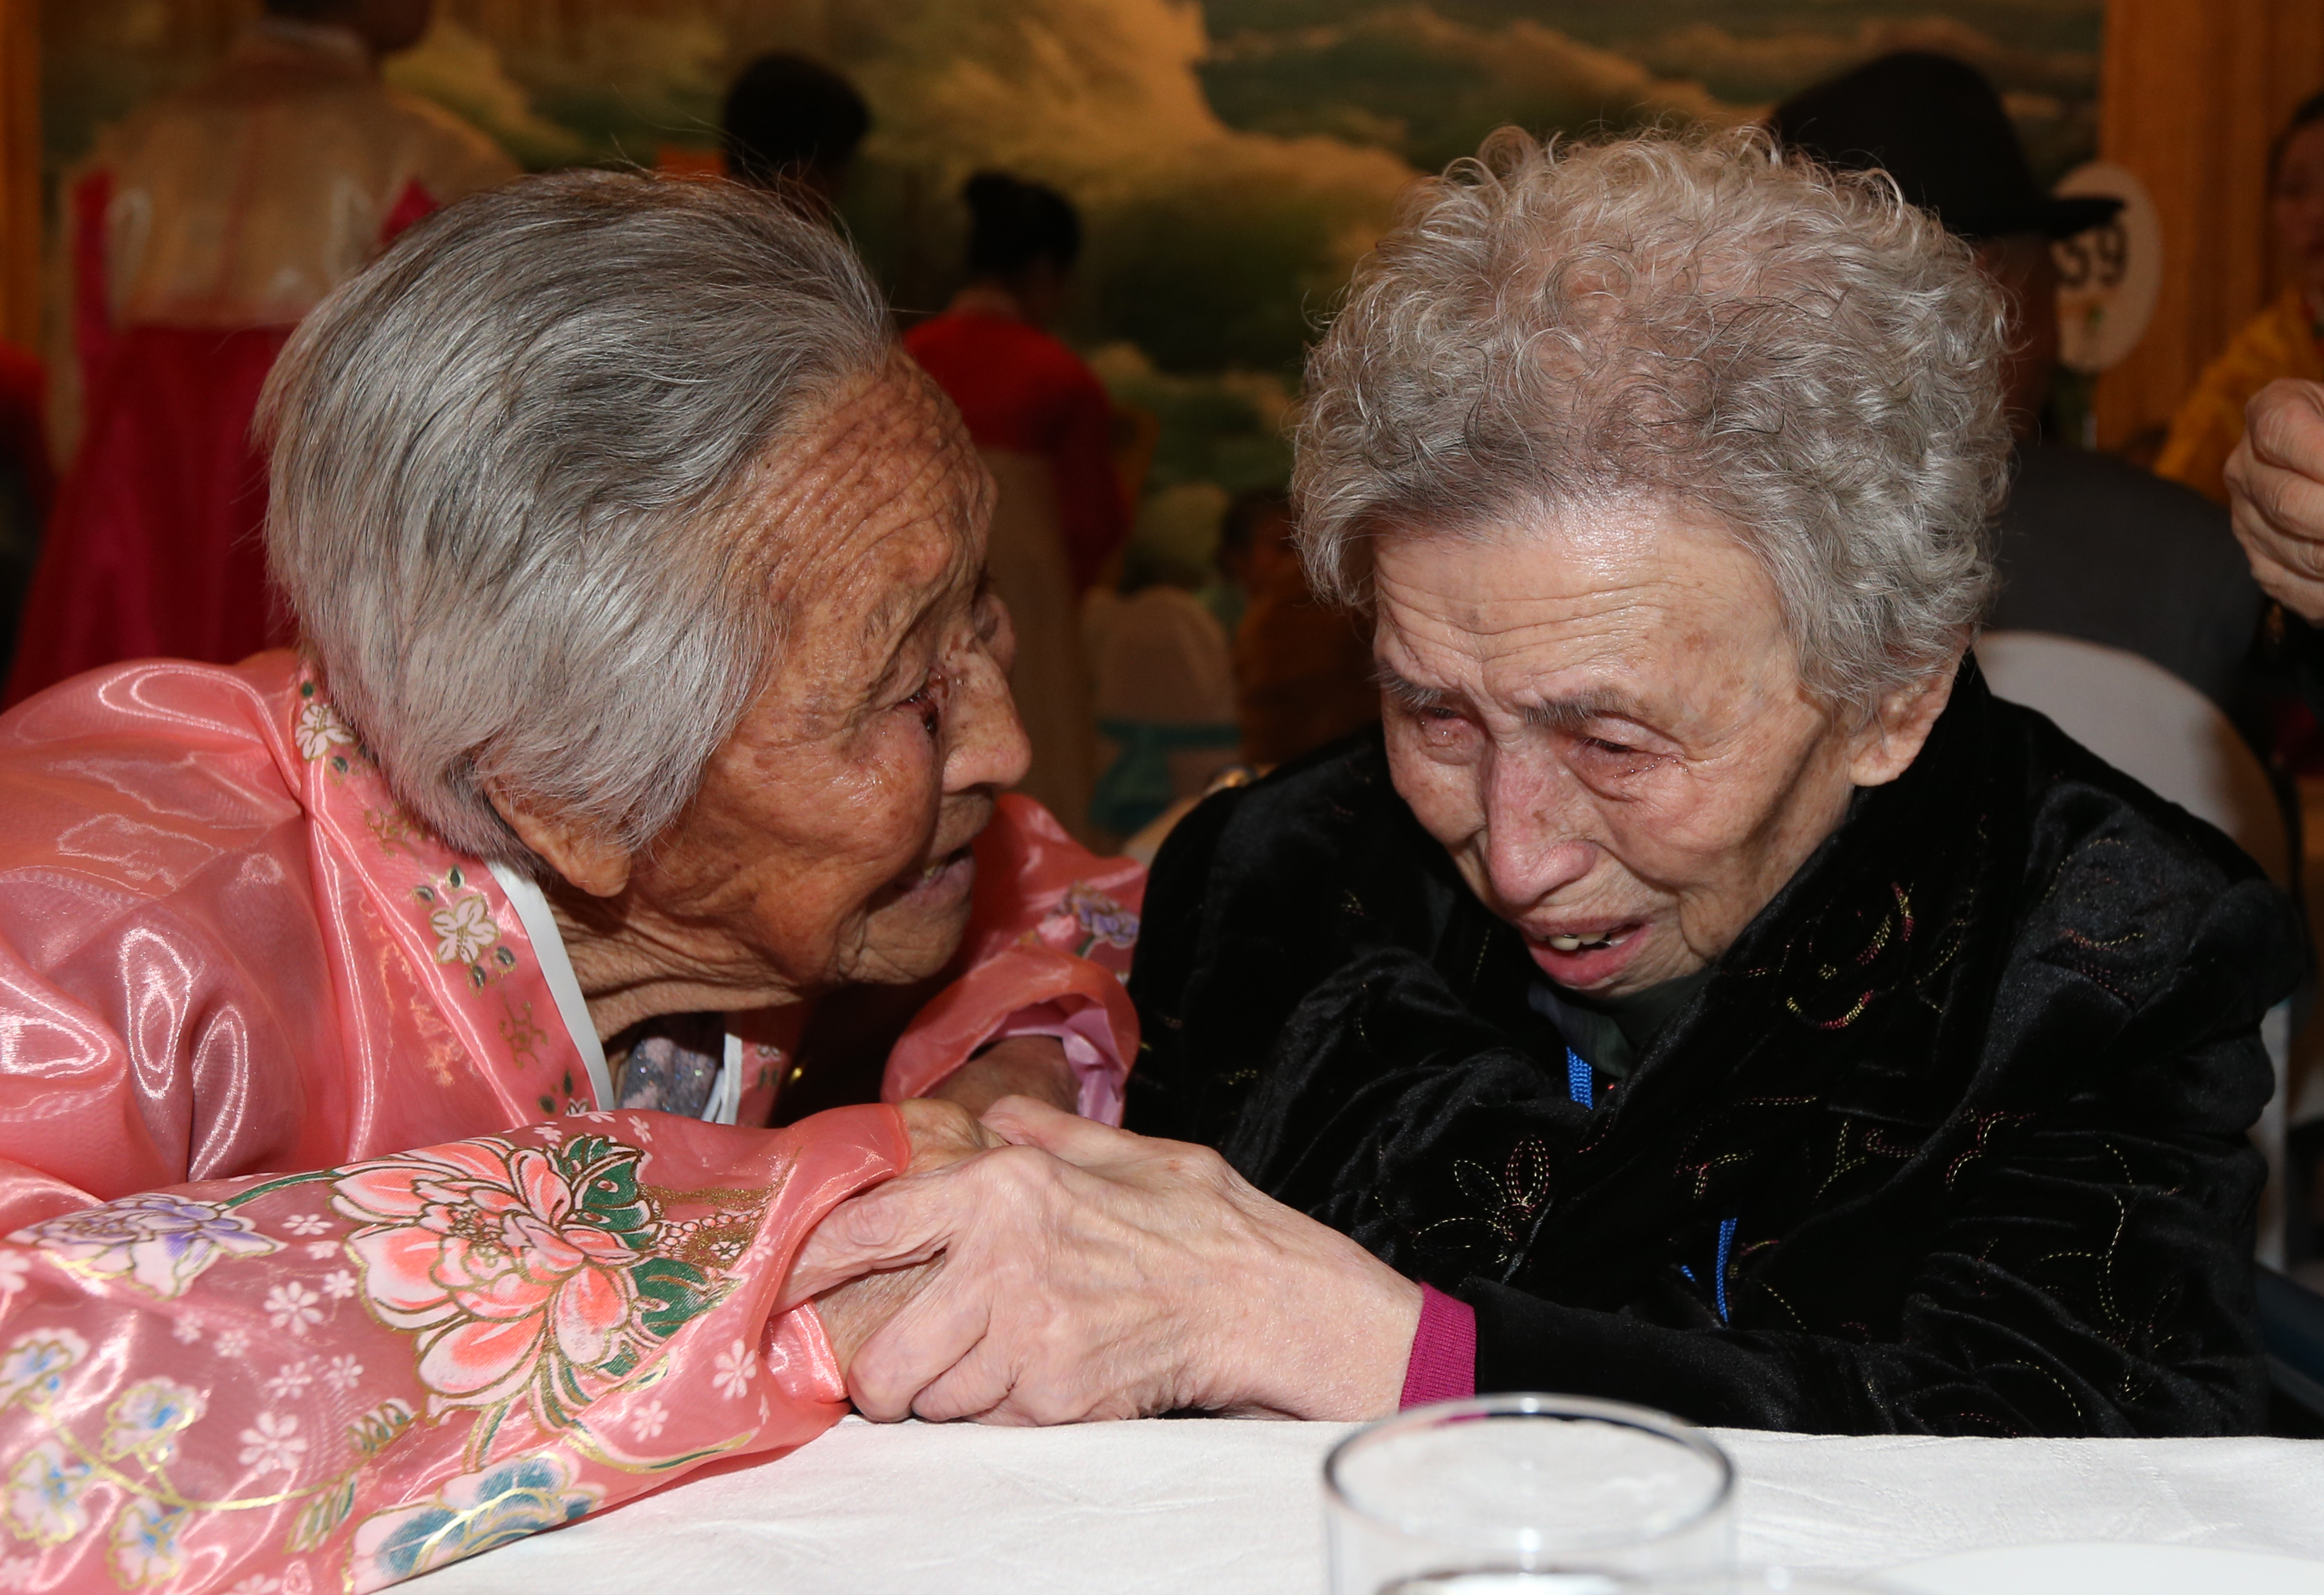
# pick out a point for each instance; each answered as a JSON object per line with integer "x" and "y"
{"x": 951, "y": 873}
{"x": 1581, "y": 959}
{"x": 1574, "y": 943}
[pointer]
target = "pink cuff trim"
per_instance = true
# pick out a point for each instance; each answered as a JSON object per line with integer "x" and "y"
{"x": 1443, "y": 1365}
{"x": 1087, "y": 1036}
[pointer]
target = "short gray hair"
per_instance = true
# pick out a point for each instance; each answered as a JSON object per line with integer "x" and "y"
{"x": 507, "y": 460}
{"x": 1687, "y": 318}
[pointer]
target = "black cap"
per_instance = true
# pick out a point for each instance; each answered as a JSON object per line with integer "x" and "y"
{"x": 1937, "y": 126}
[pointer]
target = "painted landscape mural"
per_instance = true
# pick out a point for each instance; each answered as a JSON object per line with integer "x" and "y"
{"x": 1231, "y": 159}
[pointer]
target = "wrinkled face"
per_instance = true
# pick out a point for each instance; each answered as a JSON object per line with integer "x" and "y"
{"x": 1602, "y": 718}
{"x": 830, "y": 840}
{"x": 2298, "y": 206}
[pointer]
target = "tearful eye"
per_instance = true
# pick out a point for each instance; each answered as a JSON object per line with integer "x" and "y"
{"x": 1440, "y": 725}
{"x": 929, "y": 704}
{"x": 1609, "y": 758}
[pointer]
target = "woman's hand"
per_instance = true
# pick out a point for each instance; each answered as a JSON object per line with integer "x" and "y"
{"x": 943, "y": 1134}
{"x": 1022, "y": 1065}
{"x": 1089, "y": 1273}
{"x": 2275, "y": 486}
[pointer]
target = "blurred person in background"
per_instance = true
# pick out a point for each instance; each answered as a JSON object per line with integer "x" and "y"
{"x": 2087, "y": 545}
{"x": 1303, "y": 667}
{"x": 1165, "y": 677}
{"x": 792, "y": 123}
{"x": 2283, "y": 340}
{"x": 194, "y": 237}
{"x": 1044, "y": 427}
{"x": 1239, "y": 559}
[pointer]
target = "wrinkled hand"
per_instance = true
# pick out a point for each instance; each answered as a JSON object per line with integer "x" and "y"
{"x": 1021, "y": 1066}
{"x": 2275, "y": 487}
{"x": 1089, "y": 1273}
{"x": 943, "y": 1134}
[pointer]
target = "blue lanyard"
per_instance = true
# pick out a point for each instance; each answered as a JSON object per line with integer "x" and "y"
{"x": 1719, "y": 1274}
{"x": 1579, "y": 1084}
{"x": 1582, "y": 1086}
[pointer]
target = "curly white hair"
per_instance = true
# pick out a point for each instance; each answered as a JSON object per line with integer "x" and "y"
{"x": 1691, "y": 320}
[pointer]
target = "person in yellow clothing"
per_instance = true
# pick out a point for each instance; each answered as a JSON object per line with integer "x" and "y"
{"x": 2284, "y": 340}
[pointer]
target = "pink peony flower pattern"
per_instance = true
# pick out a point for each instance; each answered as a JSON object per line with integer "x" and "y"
{"x": 525, "y": 1272}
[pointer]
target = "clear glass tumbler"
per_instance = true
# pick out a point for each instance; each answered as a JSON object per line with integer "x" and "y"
{"x": 1525, "y": 1495}
{"x": 1759, "y": 1580}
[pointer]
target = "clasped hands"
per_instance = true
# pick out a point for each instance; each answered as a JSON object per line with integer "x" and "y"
{"x": 1033, "y": 1266}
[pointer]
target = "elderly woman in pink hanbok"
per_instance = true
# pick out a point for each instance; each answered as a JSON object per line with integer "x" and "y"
{"x": 390, "y": 1032}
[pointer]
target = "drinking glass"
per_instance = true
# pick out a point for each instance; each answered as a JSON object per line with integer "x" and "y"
{"x": 1738, "y": 1581}
{"x": 1757, "y": 1581}
{"x": 1525, "y": 1495}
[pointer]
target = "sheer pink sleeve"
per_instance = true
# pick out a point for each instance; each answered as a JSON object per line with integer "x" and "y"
{"x": 1048, "y": 946}
{"x": 343, "y": 1379}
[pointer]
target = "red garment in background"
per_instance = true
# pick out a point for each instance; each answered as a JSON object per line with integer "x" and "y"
{"x": 167, "y": 446}
{"x": 197, "y": 234}
{"x": 1022, "y": 390}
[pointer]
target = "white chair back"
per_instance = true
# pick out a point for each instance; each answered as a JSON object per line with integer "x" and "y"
{"x": 2147, "y": 722}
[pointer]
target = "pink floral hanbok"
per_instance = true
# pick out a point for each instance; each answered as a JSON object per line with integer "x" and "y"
{"x": 325, "y": 1262}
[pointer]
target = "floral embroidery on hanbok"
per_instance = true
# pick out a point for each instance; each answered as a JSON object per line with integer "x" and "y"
{"x": 532, "y": 1275}
{"x": 473, "y": 1512}
{"x": 463, "y": 929}
{"x": 144, "y": 1542}
{"x": 45, "y": 1495}
{"x": 35, "y": 1363}
{"x": 1088, "y": 924}
{"x": 737, "y": 1366}
{"x": 460, "y": 918}
{"x": 159, "y": 1242}
{"x": 456, "y": 923}
{"x": 320, "y": 729}
{"x": 272, "y": 1445}
{"x": 1103, "y": 921}
{"x": 145, "y": 1420}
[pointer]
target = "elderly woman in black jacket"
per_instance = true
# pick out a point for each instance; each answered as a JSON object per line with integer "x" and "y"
{"x": 1703, "y": 991}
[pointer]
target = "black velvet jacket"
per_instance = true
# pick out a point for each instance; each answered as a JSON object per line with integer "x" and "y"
{"x": 1954, "y": 1141}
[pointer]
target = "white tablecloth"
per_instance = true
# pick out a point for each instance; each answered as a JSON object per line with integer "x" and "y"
{"x": 1221, "y": 1507}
